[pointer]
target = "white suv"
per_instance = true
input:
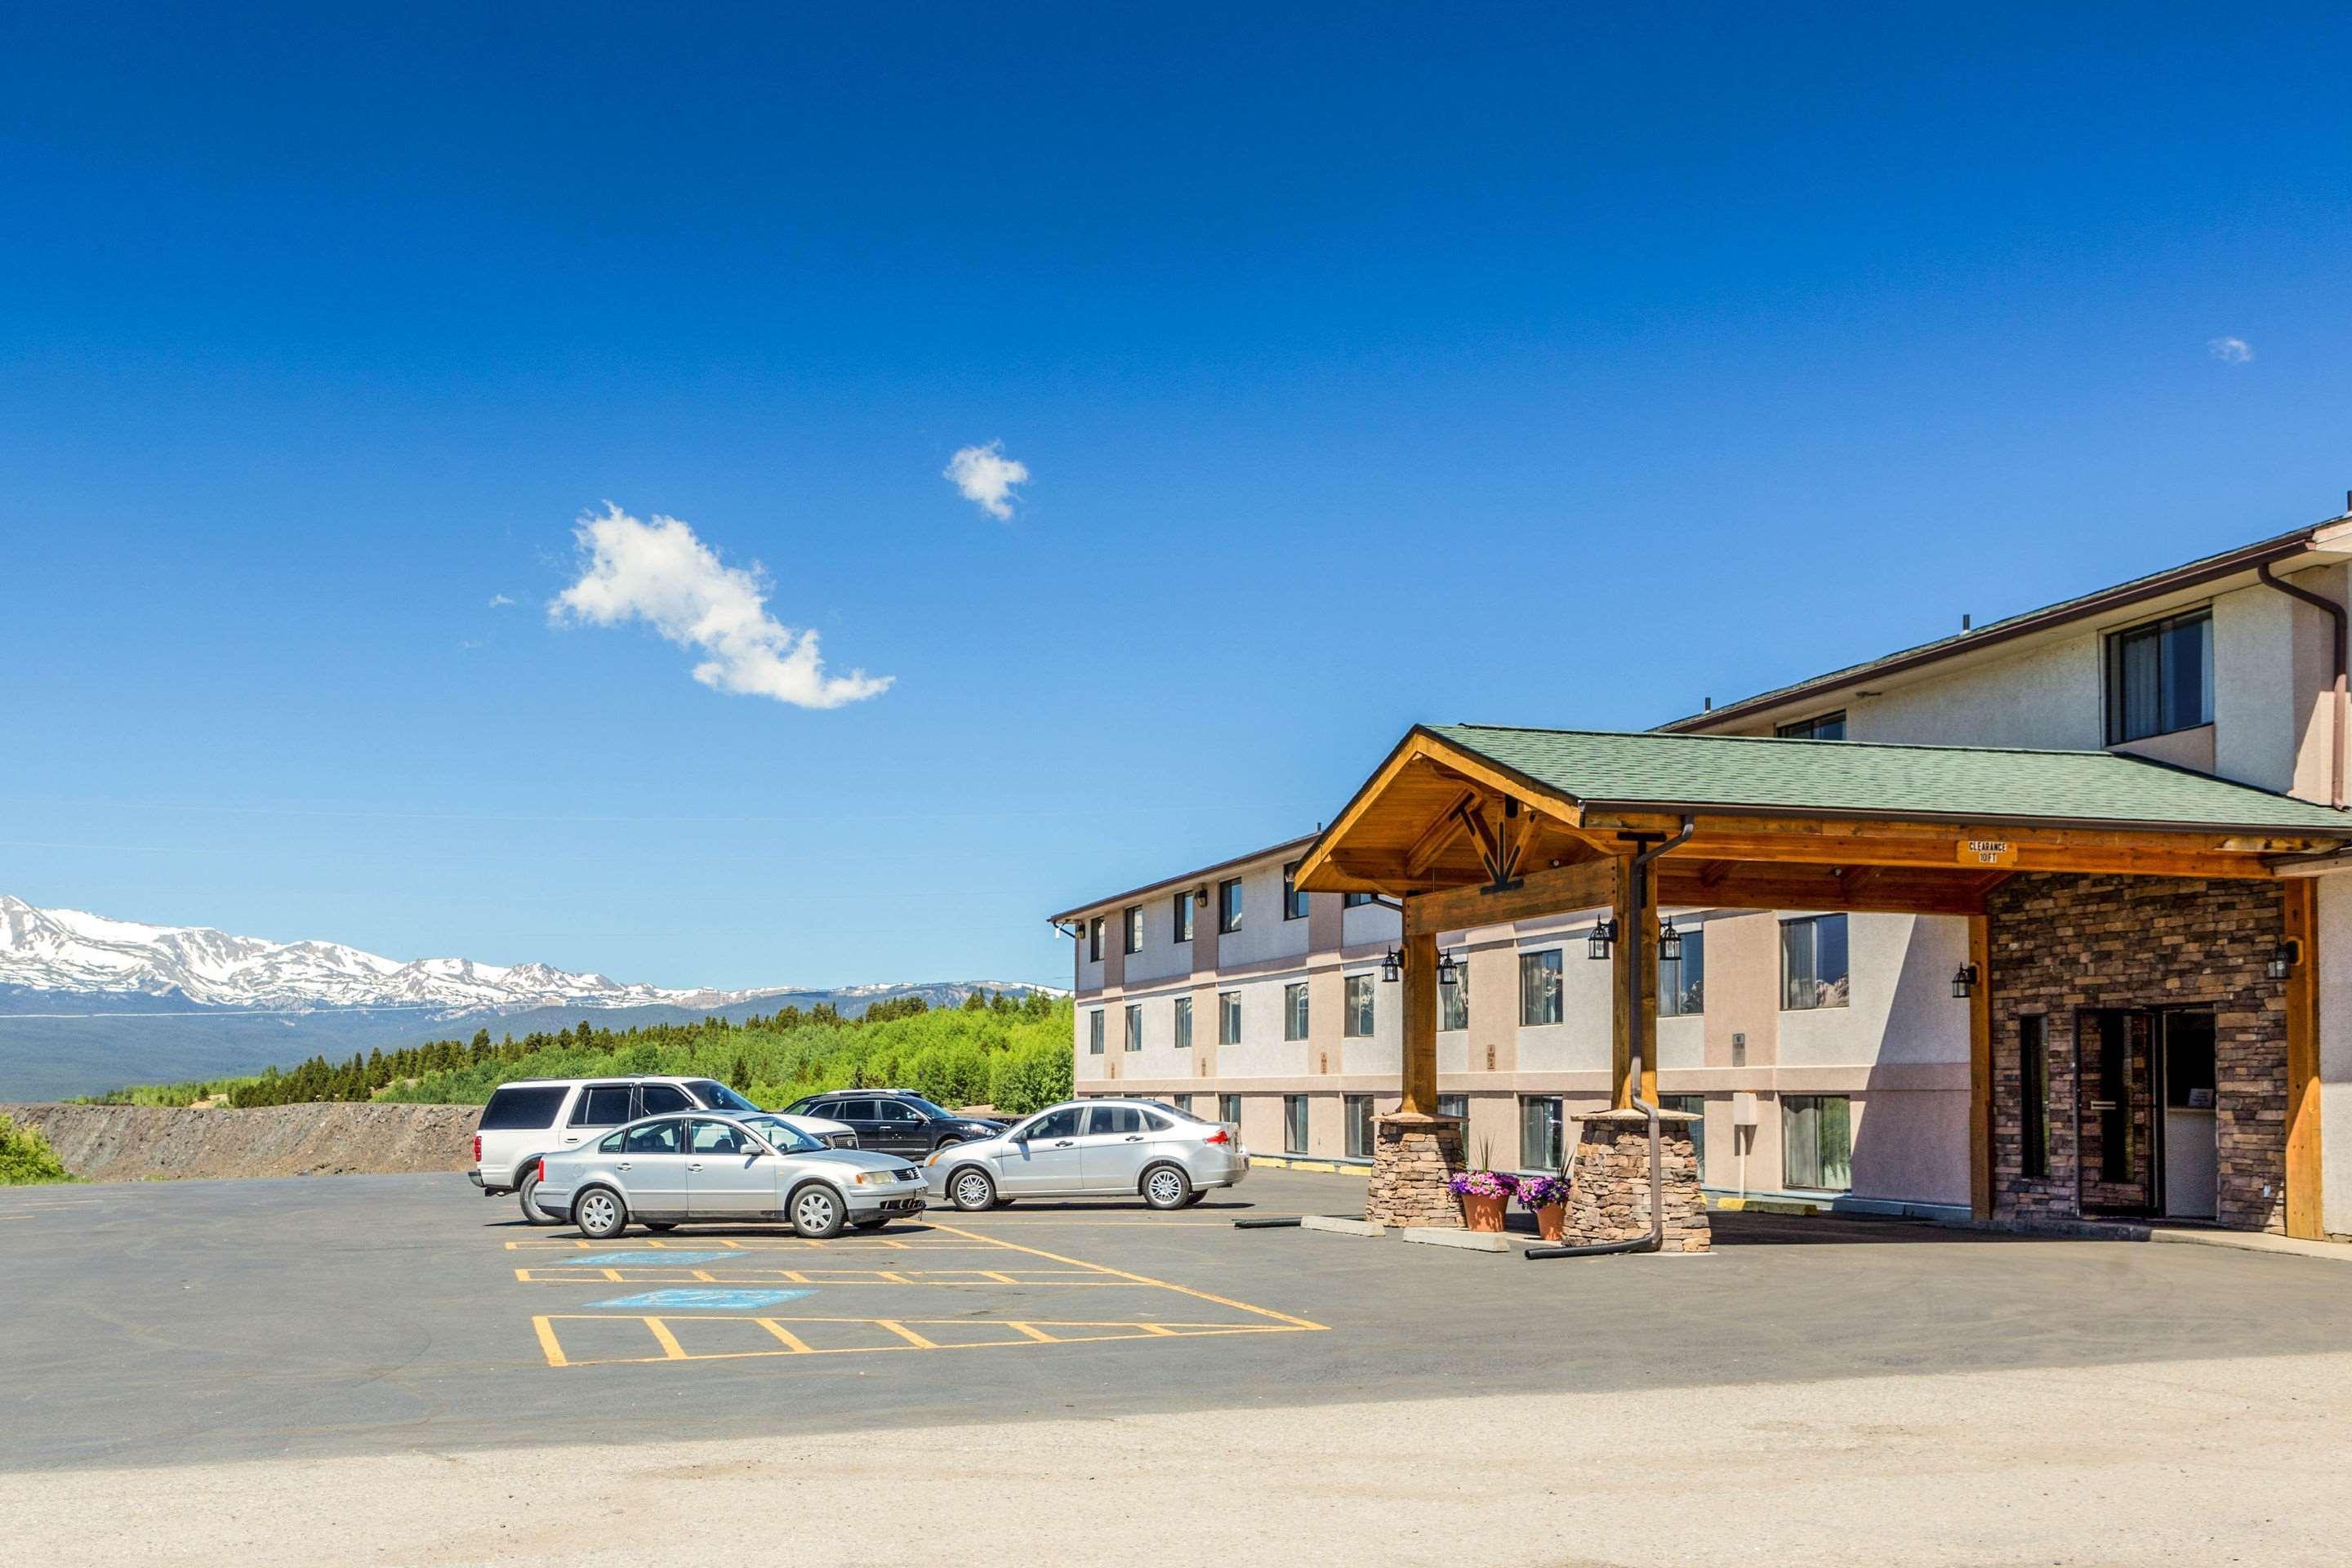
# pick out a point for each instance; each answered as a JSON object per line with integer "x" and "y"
{"x": 532, "y": 1117}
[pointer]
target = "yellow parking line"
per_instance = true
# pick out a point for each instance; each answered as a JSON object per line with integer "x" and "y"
{"x": 905, "y": 1333}
{"x": 547, "y": 1342}
{"x": 1041, "y": 1339}
{"x": 671, "y": 1348}
{"x": 1146, "y": 1280}
{"x": 785, "y": 1334}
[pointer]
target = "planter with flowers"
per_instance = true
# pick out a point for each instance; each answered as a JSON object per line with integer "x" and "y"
{"x": 1483, "y": 1195}
{"x": 1546, "y": 1198}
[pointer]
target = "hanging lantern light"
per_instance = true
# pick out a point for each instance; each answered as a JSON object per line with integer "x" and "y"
{"x": 1448, "y": 972}
{"x": 1670, "y": 941}
{"x": 1391, "y": 967}
{"x": 1964, "y": 980}
{"x": 2284, "y": 958}
{"x": 1604, "y": 933}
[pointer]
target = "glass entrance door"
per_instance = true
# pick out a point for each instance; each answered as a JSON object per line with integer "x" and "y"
{"x": 2114, "y": 1087}
{"x": 2191, "y": 1153}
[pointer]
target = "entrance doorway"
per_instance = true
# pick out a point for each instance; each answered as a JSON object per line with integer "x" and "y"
{"x": 2146, "y": 1128}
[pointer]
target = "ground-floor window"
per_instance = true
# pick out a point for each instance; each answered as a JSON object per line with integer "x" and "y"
{"x": 1229, "y": 1109}
{"x": 1294, "y": 1011}
{"x": 1454, "y": 1105}
{"x": 1539, "y": 1125}
{"x": 1293, "y": 1124}
{"x": 1360, "y": 1126}
{"x": 1184, "y": 1103}
{"x": 2033, "y": 1096}
{"x": 1696, "y": 1104}
{"x": 1817, "y": 1142}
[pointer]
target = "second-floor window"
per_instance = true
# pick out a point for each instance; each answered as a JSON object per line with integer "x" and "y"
{"x": 1356, "y": 1018}
{"x": 1813, "y": 963}
{"x": 1094, "y": 939}
{"x": 1819, "y": 726}
{"x": 1229, "y": 1018}
{"x": 1539, "y": 980}
{"x": 1356, "y": 900}
{"x": 1294, "y": 902}
{"x": 1182, "y": 910}
{"x": 1183, "y": 1023}
{"x": 2160, "y": 678}
{"x": 1454, "y": 1001}
{"x": 1682, "y": 983}
{"x": 1229, "y": 904}
{"x": 1294, "y": 1011}
{"x": 1095, "y": 1033}
{"x": 1134, "y": 1028}
{"x": 1133, "y": 921}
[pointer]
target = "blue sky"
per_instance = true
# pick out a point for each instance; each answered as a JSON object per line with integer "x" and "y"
{"x": 1369, "y": 365}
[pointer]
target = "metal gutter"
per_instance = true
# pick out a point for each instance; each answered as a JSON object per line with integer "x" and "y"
{"x": 2343, "y": 652}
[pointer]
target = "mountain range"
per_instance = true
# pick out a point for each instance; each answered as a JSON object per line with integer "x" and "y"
{"x": 89, "y": 1003}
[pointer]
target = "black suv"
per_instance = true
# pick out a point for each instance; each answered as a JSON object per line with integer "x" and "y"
{"x": 895, "y": 1122}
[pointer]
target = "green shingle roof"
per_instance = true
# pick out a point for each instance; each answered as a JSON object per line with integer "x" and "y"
{"x": 1653, "y": 770}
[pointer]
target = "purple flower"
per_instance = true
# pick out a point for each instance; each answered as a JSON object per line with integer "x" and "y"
{"x": 1482, "y": 1184}
{"x": 1540, "y": 1192}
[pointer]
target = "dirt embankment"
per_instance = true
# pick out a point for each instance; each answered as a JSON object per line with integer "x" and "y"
{"x": 142, "y": 1142}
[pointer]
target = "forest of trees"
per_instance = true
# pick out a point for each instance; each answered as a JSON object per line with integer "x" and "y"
{"x": 1010, "y": 1053}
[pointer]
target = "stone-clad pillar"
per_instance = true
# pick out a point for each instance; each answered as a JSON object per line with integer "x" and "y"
{"x": 1414, "y": 1150}
{"x": 1609, "y": 1196}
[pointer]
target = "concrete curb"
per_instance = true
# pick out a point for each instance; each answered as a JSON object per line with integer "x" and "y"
{"x": 1320, "y": 1167}
{"x": 1467, "y": 1240}
{"x": 2254, "y": 1241}
{"x": 1339, "y": 1226}
{"x": 1762, "y": 1205}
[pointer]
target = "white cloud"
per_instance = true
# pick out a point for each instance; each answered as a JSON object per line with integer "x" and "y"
{"x": 500, "y": 601}
{"x": 986, "y": 475}
{"x": 659, "y": 573}
{"x": 2232, "y": 350}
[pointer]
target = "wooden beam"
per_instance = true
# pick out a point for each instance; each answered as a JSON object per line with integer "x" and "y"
{"x": 1420, "y": 1020}
{"x": 1422, "y": 749}
{"x": 1748, "y": 824}
{"x": 1981, "y": 1196}
{"x": 1634, "y": 990}
{"x": 2304, "y": 1214}
{"x": 1945, "y": 853}
{"x": 1437, "y": 835}
{"x": 1756, "y": 887}
{"x": 1588, "y": 885}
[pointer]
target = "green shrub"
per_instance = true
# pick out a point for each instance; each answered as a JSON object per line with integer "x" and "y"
{"x": 1031, "y": 1078}
{"x": 26, "y": 1159}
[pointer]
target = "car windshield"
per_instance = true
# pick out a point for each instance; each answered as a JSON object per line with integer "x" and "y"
{"x": 716, "y": 1096}
{"x": 927, "y": 1108}
{"x": 787, "y": 1138}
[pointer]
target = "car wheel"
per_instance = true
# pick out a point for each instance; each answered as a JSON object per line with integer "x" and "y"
{"x": 973, "y": 1190}
{"x": 531, "y": 1213}
{"x": 1166, "y": 1187}
{"x": 600, "y": 1214}
{"x": 818, "y": 1211}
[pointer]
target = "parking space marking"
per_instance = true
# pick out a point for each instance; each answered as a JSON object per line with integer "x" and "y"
{"x": 1146, "y": 1279}
{"x": 904, "y": 1333}
{"x": 751, "y": 1275}
{"x": 766, "y": 1244}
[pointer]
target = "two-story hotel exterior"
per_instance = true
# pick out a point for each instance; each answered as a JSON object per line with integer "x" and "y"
{"x": 1828, "y": 1053}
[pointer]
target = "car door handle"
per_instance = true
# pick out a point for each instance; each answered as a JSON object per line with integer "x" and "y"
{"x": 694, "y": 1164}
{"x": 1066, "y": 1143}
{"x": 571, "y": 1138}
{"x": 1135, "y": 1137}
{"x": 621, "y": 1165}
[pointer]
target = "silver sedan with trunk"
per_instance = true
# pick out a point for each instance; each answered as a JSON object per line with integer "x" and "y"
{"x": 1094, "y": 1148}
{"x": 706, "y": 1167}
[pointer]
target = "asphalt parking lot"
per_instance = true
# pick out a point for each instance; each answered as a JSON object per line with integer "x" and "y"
{"x": 154, "y": 1324}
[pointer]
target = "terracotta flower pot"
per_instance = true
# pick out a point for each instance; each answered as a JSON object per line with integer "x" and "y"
{"x": 1482, "y": 1214}
{"x": 1551, "y": 1221}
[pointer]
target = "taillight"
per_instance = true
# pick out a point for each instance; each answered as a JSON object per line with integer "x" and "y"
{"x": 477, "y": 1148}
{"x": 1219, "y": 1136}
{"x": 542, "y": 1168}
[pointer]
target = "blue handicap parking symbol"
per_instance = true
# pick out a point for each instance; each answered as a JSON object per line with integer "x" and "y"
{"x": 709, "y": 1300}
{"x": 649, "y": 1255}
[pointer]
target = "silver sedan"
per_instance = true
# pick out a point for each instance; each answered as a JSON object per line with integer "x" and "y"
{"x": 1094, "y": 1148}
{"x": 706, "y": 1167}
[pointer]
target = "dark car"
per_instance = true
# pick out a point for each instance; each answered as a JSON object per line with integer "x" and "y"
{"x": 894, "y": 1121}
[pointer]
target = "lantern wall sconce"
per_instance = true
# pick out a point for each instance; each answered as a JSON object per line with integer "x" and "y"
{"x": 1391, "y": 967}
{"x": 1201, "y": 897}
{"x": 1670, "y": 941}
{"x": 1604, "y": 933}
{"x": 1448, "y": 972}
{"x": 1964, "y": 980}
{"x": 2284, "y": 959}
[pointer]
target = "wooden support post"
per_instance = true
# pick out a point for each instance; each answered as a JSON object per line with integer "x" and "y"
{"x": 1980, "y": 1069}
{"x": 1420, "y": 1024}
{"x": 2305, "y": 1218}
{"x": 1634, "y": 996}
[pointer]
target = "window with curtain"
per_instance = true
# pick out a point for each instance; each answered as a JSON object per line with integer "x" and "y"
{"x": 1358, "y": 1108}
{"x": 1817, "y": 1142}
{"x": 1229, "y": 1018}
{"x": 1454, "y": 1105}
{"x": 1356, "y": 1018}
{"x": 1819, "y": 726}
{"x": 1180, "y": 913}
{"x": 1293, "y": 1124}
{"x": 1540, "y": 1132}
{"x": 1094, "y": 939}
{"x": 1356, "y": 900}
{"x": 2160, "y": 676}
{"x": 1183, "y": 1031}
{"x": 1539, "y": 987}
{"x": 1095, "y": 1033}
{"x": 1133, "y": 921}
{"x": 1682, "y": 984}
{"x": 1813, "y": 963}
{"x": 1229, "y": 1109}
{"x": 1229, "y": 904}
{"x": 1294, "y": 1011}
{"x": 1134, "y": 1028}
{"x": 1454, "y": 1001}
{"x": 1294, "y": 902}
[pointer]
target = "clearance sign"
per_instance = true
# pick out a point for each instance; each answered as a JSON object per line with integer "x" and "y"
{"x": 1988, "y": 852}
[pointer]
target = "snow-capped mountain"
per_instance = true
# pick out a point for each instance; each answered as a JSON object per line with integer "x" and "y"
{"x": 70, "y": 951}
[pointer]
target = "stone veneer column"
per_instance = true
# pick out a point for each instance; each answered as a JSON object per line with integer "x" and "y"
{"x": 1609, "y": 1198}
{"x": 1412, "y": 1156}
